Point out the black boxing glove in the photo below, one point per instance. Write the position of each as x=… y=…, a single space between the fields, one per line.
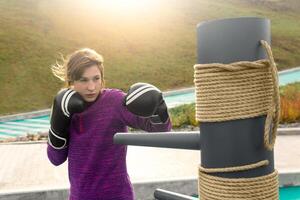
x=161 y=114
x=146 y=100
x=66 y=103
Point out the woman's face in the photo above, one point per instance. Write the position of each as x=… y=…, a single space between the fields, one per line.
x=90 y=84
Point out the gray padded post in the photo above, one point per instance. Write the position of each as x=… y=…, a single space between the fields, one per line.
x=236 y=142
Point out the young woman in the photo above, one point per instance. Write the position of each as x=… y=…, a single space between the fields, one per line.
x=85 y=116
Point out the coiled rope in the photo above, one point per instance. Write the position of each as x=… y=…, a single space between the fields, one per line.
x=237 y=91
x=258 y=188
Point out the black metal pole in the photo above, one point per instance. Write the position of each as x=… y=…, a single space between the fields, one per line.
x=178 y=140
x=167 y=195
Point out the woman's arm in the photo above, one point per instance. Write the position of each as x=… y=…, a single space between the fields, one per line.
x=65 y=104
x=138 y=122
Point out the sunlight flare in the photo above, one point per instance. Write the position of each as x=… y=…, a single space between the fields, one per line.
x=124 y=6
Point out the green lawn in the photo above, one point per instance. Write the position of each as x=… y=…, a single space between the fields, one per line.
x=155 y=45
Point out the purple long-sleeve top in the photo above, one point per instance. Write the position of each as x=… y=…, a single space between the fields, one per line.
x=97 y=166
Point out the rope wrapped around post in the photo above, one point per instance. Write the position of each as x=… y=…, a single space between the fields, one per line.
x=258 y=188
x=239 y=90
x=233 y=91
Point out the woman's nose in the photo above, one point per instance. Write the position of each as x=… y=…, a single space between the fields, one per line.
x=91 y=86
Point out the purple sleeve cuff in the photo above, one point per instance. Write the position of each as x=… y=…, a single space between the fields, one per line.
x=57 y=156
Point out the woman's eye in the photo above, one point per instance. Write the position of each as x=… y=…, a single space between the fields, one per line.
x=83 y=80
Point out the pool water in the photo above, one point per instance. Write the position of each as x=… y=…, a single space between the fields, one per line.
x=289 y=76
x=285 y=193
x=289 y=193
x=24 y=126
x=179 y=99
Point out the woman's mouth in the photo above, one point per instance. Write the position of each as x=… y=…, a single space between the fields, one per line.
x=90 y=95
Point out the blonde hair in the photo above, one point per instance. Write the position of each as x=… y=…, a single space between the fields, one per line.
x=75 y=64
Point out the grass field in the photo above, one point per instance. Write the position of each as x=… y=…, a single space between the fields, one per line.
x=155 y=43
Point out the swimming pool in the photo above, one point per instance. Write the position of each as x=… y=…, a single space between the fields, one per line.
x=22 y=127
x=285 y=193
x=289 y=193
x=289 y=76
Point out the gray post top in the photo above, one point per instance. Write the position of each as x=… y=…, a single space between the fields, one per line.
x=233 y=39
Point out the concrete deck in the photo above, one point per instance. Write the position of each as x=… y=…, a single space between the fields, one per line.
x=25 y=167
